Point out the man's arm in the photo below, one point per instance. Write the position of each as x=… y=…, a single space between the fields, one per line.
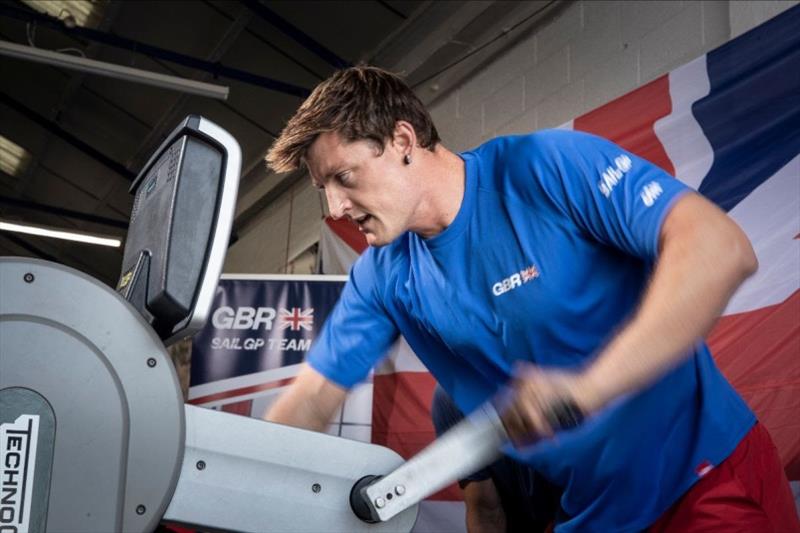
x=483 y=507
x=704 y=257
x=309 y=403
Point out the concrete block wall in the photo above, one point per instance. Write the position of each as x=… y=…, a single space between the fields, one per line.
x=592 y=52
x=747 y=14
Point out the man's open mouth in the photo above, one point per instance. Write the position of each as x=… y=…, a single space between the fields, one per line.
x=362 y=220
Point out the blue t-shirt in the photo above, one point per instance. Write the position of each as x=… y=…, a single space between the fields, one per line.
x=547 y=257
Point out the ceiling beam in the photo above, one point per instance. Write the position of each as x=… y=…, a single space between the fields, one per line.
x=277 y=49
x=389 y=7
x=60 y=132
x=69 y=213
x=292 y=31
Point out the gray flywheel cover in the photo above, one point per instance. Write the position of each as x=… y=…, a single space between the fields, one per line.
x=119 y=415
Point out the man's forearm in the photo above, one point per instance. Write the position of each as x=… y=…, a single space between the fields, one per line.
x=308 y=403
x=290 y=410
x=702 y=263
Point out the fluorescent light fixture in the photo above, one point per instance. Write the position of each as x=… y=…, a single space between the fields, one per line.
x=111 y=70
x=59 y=234
x=13 y=157
x=86 y=13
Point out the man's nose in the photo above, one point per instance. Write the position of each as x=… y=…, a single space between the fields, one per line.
x=338 y=204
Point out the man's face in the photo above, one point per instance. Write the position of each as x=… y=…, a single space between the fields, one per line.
x=372 y=189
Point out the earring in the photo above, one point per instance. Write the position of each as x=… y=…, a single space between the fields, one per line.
x=407 y=159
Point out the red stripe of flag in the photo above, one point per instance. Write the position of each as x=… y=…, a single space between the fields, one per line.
x=241 y=391
x=348 y=232
x=243 y=408
x=629 y=120
x=758 y=352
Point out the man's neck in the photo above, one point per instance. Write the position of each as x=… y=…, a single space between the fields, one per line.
x=443 y=182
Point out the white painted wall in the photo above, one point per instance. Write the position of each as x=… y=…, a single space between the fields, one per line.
x=593 y=52
x=279 y=238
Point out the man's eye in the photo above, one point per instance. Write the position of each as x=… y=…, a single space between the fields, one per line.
x=345 y=178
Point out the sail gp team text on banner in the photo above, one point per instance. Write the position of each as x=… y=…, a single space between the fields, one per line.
x=260 y=319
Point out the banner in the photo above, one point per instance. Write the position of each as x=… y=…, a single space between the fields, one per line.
x=259 y=331
x=258 y=324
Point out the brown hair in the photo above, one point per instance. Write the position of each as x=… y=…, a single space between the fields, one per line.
x=358 y=103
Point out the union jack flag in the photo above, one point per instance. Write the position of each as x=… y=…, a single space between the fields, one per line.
x=297 y=318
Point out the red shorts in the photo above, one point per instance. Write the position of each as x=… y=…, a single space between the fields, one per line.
x=747 y=492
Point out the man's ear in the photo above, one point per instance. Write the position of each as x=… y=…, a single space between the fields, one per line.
x=405 y=138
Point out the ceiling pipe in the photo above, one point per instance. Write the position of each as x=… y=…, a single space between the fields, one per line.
x=215 y=68
x=111 y=70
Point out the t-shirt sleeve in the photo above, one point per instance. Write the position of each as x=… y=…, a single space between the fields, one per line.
x=357 y=333
x=613 y=195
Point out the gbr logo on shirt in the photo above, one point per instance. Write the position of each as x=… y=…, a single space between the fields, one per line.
x=515 y=280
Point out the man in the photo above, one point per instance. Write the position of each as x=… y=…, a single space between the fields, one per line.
x=505 y=496
x=555 y=264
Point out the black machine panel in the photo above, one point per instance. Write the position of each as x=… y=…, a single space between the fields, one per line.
x=172 y=227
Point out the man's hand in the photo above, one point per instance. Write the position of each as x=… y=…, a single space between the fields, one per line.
x=538 y=396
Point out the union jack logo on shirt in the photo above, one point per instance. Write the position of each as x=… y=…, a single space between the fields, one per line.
x=529 y=273
x=297 y=318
